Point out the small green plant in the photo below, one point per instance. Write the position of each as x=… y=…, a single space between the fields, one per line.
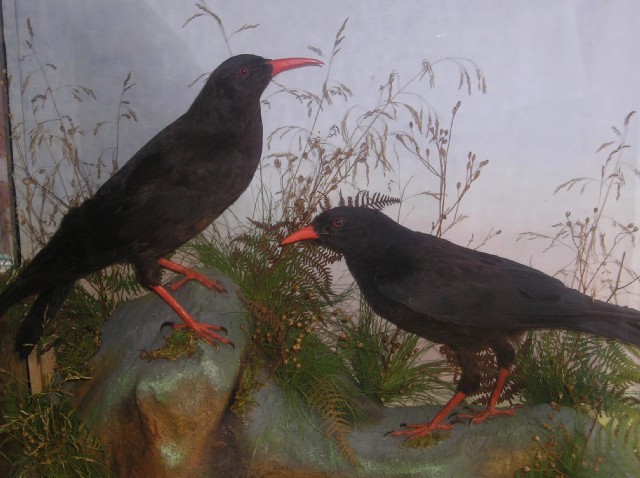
x=389 y=364
x=42 y=435
x=562 y=453
x=577 y=370
x=320 y=383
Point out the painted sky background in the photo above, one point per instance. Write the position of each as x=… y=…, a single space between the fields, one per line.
x=559 y=75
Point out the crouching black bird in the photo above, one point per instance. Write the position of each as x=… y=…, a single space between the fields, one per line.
x=452 y=295
x=168 y=192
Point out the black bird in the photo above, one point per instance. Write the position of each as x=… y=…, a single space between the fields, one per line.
x=466 y=299
x=168 y=192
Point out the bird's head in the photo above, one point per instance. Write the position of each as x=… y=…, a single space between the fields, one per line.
x=346 y=229
x=244 y=77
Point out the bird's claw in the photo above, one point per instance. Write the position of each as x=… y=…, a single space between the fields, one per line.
x=190 y=274
x=210 y=284
x=486 y=414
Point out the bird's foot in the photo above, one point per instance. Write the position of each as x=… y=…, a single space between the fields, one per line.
x=487 y=413
x=189 y=274
x=417 y=430
x=210 y=284
x=207 y=332
x=424 y=429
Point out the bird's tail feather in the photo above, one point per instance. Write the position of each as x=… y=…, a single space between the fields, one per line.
x=20 y=289
x=612 y=321
x=49 y=267
x=45 y=307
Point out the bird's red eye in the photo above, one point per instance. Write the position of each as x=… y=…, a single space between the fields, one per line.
x=244 y=71
x=338 y=222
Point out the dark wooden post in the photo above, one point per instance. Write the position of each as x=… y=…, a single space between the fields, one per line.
x=9 y=232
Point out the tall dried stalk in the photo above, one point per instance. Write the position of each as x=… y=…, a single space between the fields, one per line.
x=598 y=242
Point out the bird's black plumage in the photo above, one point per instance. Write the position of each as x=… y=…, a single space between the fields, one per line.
x=456 y=296
x=168 y=192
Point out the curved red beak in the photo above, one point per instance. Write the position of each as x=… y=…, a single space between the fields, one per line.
x=285 y=64
x=303 y=234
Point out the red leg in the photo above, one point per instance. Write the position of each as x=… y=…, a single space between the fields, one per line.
x=190 y=275
x=423 y=429
x=206 y=331
x=491 y=410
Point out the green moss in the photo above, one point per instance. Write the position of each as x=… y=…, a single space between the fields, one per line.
x=181 y=343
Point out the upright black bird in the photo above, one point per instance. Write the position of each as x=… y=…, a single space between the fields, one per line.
x=456 y=296
x=168 y=192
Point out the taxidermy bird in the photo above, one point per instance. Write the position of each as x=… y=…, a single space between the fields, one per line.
x=169 y=191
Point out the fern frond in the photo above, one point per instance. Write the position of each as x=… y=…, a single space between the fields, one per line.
x=327 y=401
x=363 y=198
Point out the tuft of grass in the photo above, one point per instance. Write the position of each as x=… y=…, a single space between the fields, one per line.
x=577 y=370
x=42 y=435
x=389 y=364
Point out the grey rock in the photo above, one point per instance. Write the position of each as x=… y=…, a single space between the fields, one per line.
x=155 y=417
x=281 y=443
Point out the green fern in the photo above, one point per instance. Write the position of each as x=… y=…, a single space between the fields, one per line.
x=320 y=380
x=287 y=292
x=575 y=369
x=337 y=422
x=592 y=374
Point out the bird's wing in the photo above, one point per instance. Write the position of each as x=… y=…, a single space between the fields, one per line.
x=470 y=288
x=162 y=197
x=170 y=185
